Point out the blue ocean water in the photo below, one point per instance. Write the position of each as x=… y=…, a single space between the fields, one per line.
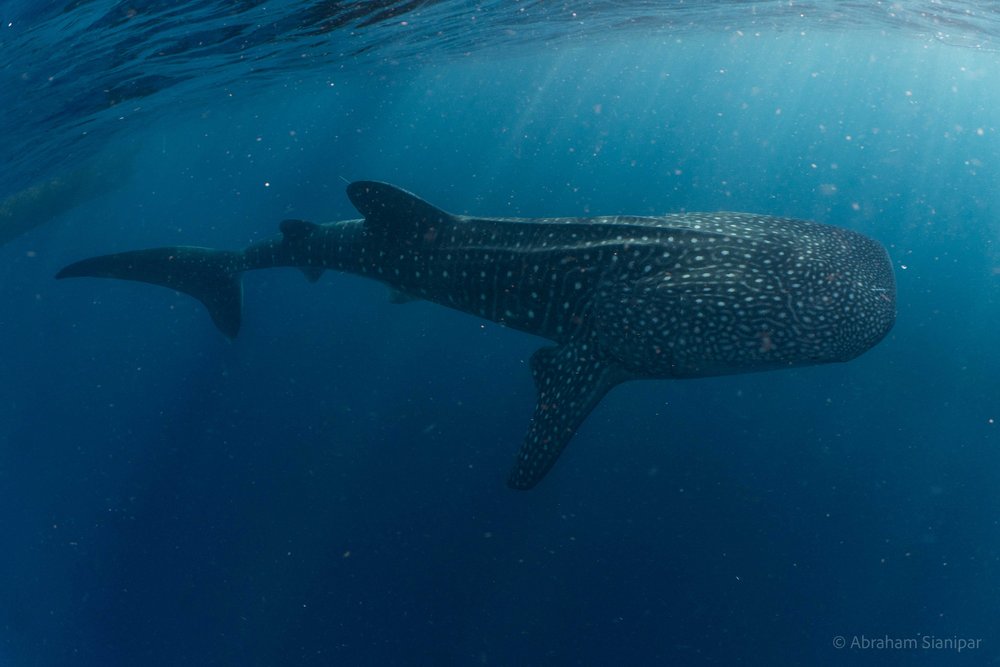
x=329 y=487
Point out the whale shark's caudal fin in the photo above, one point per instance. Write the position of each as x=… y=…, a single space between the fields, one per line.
x=571 y=380
x=211 y=276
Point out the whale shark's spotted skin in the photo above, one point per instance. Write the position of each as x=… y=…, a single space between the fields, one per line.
x=623 y=297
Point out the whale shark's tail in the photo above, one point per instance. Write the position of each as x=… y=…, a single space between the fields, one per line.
x=211 y=276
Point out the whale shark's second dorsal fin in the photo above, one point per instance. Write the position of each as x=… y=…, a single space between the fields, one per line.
x=394 y=211
x=301 y=231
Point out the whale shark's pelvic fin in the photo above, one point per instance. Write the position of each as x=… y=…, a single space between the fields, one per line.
x=571 y=380
x=211 y=276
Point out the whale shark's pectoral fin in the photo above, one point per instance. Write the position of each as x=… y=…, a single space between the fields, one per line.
x=571 y=380
x=211 y=276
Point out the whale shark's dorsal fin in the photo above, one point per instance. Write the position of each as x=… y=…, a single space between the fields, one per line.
x=571 y=380
x=394 y=211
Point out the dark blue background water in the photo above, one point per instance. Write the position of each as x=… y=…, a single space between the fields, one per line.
x=329 y=488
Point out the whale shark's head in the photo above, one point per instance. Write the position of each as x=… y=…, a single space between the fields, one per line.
x=740 y=293
x=869 y=302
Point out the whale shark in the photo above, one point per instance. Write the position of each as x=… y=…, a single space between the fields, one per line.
x=47 y=199
x=622 y=297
